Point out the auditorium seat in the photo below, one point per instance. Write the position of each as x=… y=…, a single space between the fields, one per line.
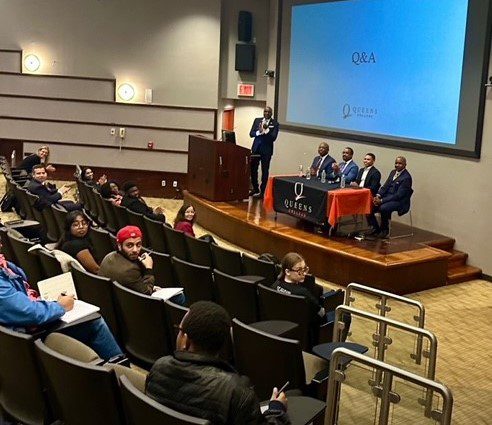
x=111 y=223
x=49 y=264
x=175 y=243
x=136 y=219
x=142 y=410
x=52 y=230
x=268 y=359
x=7 y=250
x=101 y=243
x=199 y=251
x=163 y=269
x=155 y=234
x=29 y=263
x=70 y=347
x=22 y=388
x=143 y=324
x=97 y=290
x=121 y=215
x=101 y=214
x=82 y=393
x=175 y=314
x=256 y=267
x=60 y=215
x=33 y=202
x=226 y=260
x=197 y=281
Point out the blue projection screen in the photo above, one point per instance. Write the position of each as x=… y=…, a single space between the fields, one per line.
x=403 y=72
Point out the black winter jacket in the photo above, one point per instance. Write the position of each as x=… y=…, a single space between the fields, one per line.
x=208 y=388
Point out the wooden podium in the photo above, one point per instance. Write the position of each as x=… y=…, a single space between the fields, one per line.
x=218 y=171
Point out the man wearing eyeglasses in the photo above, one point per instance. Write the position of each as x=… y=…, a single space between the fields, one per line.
x=195 y=381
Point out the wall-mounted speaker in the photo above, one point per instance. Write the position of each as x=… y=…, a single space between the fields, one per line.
x=245 y=57
x=244 y=26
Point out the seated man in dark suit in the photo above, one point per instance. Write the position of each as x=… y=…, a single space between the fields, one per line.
x=394 y=195
x=347 y=167
x=134 y=202
x=322 y=162
x=47 y=192
x=369 y=176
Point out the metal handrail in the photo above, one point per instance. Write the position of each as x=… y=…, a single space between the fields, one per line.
x=337 y=376
x=384 y=308
x=384 y=323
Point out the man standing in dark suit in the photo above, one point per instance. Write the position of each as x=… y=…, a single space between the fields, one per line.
x=322 y=162
x=394 y=195
x=369 y=176
x=265 y=131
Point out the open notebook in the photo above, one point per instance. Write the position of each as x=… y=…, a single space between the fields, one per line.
x=166 y=293
x=50 y=289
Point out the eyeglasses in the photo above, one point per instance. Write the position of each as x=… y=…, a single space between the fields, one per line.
x=80 y=224
x=178 y=327
x=302 y=270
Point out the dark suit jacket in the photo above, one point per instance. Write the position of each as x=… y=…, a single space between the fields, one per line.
x=263 y=144
x=398 y=190
x=48 y=193
x=326 y=165
x=372 y=181
x=139 y=206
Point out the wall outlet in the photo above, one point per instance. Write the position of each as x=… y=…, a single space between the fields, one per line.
x=175 y=183
x=112 y=132
x=163 y=183
x=122 y=132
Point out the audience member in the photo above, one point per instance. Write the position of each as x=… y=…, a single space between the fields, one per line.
x=394 y=195
x=322 y=162
x=75 y=241
x=111 y=191
x=135 y=203
x=40 y=157
x=185 y=218
x=347 y=167
x=369 y=176
x=130 y=267
x=22 y=309
x=196 y=382
x=47 y=192
x=126 y=265
x=87 y=176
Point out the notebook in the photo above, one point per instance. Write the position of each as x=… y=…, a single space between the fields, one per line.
x=166 y=293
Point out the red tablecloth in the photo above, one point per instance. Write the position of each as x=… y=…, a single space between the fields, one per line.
x=348 y=201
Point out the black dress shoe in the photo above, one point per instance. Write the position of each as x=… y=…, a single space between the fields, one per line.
x=254 y=192
x=373 y=232
x=258 y=195
x=384 y=234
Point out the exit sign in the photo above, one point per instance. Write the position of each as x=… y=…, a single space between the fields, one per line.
x=246 y=90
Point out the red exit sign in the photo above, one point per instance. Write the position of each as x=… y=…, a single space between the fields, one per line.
x=246 y=90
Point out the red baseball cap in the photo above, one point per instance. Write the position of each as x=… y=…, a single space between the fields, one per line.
x=128 y=232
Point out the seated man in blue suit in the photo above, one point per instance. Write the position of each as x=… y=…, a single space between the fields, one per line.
x=394 y=195
x=265 y=132
x=322 y=162
x=347 y=167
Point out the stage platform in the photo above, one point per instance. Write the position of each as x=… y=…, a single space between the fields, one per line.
x=400 y=266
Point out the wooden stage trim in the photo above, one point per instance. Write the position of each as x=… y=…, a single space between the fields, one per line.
x=400 y=266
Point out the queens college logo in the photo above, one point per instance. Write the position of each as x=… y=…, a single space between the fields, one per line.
x=298 y=189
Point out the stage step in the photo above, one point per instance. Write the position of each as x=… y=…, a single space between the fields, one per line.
x=446 y=244
x=463 y=274
x=457 y=259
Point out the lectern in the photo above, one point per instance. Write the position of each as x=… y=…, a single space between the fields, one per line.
x=217 y=171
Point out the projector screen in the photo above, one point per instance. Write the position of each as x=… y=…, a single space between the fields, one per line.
x=406 y=73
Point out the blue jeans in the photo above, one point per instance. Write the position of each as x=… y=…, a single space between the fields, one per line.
x=96 y=335
x=179 y=299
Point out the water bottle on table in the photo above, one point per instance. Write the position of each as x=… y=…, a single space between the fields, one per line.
x=323 y=176
x=308 y=173
x=301 y=171
x=342 y=181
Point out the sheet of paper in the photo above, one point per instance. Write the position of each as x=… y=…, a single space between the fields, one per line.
x=166 y=293
x=80 y=310
x=50 y=289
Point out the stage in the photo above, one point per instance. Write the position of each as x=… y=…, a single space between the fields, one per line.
x=400 y=266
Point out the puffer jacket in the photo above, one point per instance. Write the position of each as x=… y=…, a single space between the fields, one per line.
x=209 y=388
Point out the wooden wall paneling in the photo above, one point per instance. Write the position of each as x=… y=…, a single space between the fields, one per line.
x=10 y=60
x=120 y=114
x=59 y=86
